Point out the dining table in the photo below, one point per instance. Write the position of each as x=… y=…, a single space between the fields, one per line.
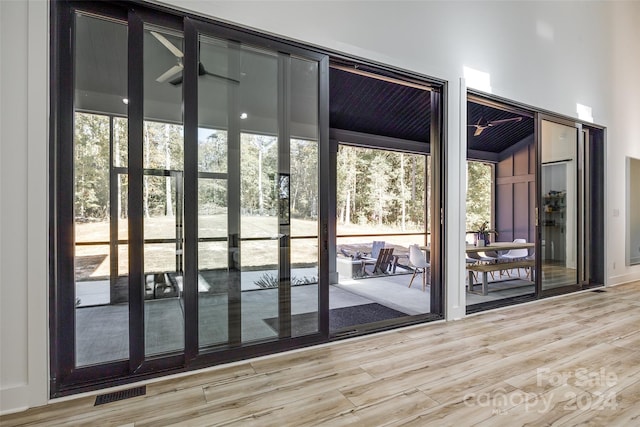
x=499 y=247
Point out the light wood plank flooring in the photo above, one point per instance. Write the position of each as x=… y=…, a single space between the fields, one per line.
x=572 y=360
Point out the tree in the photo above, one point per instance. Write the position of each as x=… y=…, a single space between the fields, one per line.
x=479 y=193
x=91 y=166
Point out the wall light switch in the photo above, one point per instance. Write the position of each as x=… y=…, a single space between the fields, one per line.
x=616 y=213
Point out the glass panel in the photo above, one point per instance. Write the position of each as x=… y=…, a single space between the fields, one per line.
x=259 y=219
x=120 y=142
x=101 y=315
x=559 y=216
x=303 y=160
x=122 y=190
x=304 y=286
x=479 y=197
x=218 y=277
x=393 y=200
x=91 y=176
x=257 y=100
x=163 y=154
x=213 y=275
x=382 y=203
x=242 y=180
x=212 y=150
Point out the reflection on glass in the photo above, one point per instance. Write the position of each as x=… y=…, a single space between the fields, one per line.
x=303 y=197
x=212 y=150
x=558 y=217
x=101 y=315
x=120 y=142
x=218 y=278
x=163 y=162
x=246 y=196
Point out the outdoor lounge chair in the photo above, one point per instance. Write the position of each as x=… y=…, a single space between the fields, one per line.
x=380 y=264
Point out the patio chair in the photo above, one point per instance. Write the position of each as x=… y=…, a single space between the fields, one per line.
x=375 y=248
x=419 y=261
x=381 y=263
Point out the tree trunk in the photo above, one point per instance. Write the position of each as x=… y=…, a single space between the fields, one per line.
x=260 y=196
x=145 y=180
x=167 y=166
x=347 y=205
x=413 y=178
x=402 y=195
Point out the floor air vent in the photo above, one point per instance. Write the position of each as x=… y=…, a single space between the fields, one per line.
x=120 y=395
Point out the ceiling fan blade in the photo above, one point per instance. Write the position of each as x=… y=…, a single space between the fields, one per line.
x=162 y=39
x=203 y=72
x=171 y=72
x=478 y=131
x=499 y=122
x=218 y=76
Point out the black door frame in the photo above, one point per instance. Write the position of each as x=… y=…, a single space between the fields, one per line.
x=593 y=138
x=68 y=379
x=581 y=244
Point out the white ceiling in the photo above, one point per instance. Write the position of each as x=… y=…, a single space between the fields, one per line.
x=101 y=80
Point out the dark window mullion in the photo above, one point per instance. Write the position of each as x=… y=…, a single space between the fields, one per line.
x=190 y=102
x=438 y=161
x=284 y=229
x=63 y=336
x=136 y=237
x=234 y=316
x=326 y=197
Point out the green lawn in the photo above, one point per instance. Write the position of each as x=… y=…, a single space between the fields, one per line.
x=93 y=261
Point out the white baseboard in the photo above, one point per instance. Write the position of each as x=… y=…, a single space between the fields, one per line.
x=623 y=278
x=14 y=399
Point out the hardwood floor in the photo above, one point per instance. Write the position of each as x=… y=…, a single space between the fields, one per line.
x=572 y=360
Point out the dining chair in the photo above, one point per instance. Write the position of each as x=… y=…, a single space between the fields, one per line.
x=419 y=261
x=516 y=254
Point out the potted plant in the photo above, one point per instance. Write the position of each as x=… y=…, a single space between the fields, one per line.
x=483 y=232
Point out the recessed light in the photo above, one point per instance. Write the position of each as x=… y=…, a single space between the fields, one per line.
x=243 y=116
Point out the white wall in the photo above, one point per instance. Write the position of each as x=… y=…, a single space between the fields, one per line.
x=23 y=204
x=547 y=54
x=623 y=133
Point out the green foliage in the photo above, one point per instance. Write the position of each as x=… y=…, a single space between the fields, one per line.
x=163 y=150
x=269 y=281
x=91 y=167
x=382 y=188
x=479 y=193
x=304 y=179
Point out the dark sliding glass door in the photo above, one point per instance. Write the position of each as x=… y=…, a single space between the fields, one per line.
x=187 y=196
x=563 y=189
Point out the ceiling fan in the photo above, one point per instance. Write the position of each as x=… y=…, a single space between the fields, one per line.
x=483 y=124
x=177 y=69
